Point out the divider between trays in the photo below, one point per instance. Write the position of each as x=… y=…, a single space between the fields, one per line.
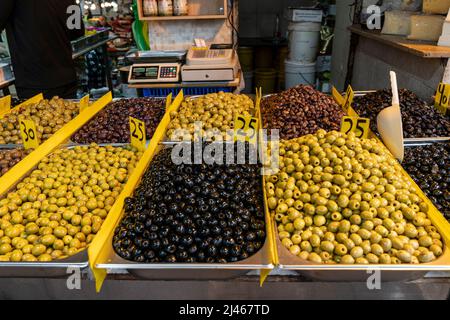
x=96 y=250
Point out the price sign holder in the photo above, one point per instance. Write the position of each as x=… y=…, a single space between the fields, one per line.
x=441 y=101
x=360 y=126
x=84 y=103
x=246 y=128
x=337 y=96
x=168 y=101
x=5 y=104
x=29 y=134
x=348 y=101
x=137 y=134
x=177 y=102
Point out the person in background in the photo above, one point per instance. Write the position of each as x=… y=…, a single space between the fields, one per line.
x=39 y=44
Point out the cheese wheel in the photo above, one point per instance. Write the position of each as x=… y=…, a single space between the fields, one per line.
x=397 y=23
x=436 y=6
x=426 y=27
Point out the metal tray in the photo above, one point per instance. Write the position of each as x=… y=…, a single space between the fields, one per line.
x=186 y=271
x=56 y=268
x=363 y=93
x=414 y=142
x=358 y=273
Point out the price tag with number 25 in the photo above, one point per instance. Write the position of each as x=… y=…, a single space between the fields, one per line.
x=137 y=134
x=246 y=128
x=29 y=134
x=360 y=126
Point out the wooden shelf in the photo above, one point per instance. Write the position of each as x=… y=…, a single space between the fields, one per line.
x=423 y=49
x=174 y=18
x=201 y=10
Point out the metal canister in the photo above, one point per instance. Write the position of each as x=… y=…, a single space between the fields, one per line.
x=165 y=7
x=180 y=7
x=150 y=7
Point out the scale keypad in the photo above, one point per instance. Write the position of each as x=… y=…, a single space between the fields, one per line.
x=169 y=72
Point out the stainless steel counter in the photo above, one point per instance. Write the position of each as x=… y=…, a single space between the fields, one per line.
x=124 y=286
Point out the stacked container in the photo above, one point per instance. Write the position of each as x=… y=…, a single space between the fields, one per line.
x=304 y=40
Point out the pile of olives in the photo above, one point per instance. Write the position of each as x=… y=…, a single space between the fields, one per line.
x=299 y=111
x=429 y=166
x=193 y=213
x=341 y=200
x=10 y=157
x=49 y=117
x=56 y=211
x=419 y=119
x=111 y=125
x=216 y=111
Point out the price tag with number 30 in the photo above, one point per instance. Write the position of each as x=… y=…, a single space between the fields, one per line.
x=360 y=126
x=29 y=134
x=137 y=134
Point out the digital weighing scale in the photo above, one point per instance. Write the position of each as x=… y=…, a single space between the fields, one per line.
x=202 y=65
x=155 y=66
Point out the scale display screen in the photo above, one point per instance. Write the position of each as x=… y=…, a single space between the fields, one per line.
x=145 y=73
x=154 y=73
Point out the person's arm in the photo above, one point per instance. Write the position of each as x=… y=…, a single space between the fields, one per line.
x=6 y=8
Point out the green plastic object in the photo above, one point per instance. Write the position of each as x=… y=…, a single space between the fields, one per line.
x=140 y=31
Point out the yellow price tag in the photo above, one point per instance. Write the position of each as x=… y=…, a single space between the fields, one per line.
x=360 y=126
x=137 y=134
x=29 y=134
x=350 y=95
x=337 y=96
x=5 y=104
x=168 y=101
x=84 y=103
x=245 y=128
x=442 y=97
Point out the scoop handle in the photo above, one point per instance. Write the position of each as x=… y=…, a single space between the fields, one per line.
x=394 y=87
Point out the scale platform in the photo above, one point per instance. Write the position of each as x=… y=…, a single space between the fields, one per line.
x=210 y=65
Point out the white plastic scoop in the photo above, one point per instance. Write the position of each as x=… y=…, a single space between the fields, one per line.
x=389 y=123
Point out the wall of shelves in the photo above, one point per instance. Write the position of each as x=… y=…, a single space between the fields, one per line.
x=207 y=19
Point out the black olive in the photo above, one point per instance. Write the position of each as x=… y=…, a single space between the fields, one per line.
x=193 y=213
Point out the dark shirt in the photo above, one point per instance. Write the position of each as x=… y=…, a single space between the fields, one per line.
x=39 y=41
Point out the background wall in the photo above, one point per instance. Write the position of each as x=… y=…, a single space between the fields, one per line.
x=341 y=44
x=257 y=17
x=179 y=35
